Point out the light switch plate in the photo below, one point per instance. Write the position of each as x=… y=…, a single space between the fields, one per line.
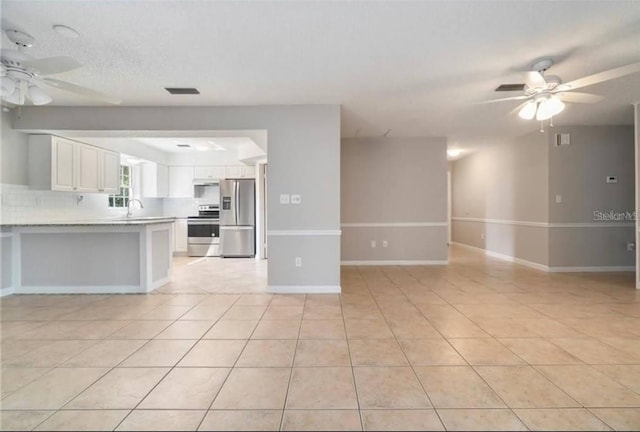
x=296 y=199
x=284 y=198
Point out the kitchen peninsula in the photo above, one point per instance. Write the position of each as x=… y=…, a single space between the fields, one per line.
x=127 y=255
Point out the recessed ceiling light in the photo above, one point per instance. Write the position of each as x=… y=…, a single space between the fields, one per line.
x=218 y=147
x=202 y=148
x=66 y=31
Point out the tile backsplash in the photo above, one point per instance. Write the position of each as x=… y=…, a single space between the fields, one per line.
x=20 y=204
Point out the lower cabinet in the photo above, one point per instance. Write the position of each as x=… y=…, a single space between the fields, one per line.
x=180 y=236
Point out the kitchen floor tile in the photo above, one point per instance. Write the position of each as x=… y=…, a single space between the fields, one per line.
x=322 y=352
x=162 y=420
x=481 y=351
x=186 y=388
x=108 y=353
x=214 y=353
x=390 y=388
x=322 y=329
x=524 y=387
x=11 y=379
x=457 y=387
x=592 y=351
x=121 y=388
x=620 y=419
x=627 y=375
x=277 y=329
x=53 y=389
x=322 y=388
x=83 y=420
x=367 y=329
x=571 y=419
x=244 y=313
x=185 y=330
x=229 y=329
x=413 y=329
x=480 y=420
x=538 y=351
x=401 y=420
x=254 y=389
x=140 y=330
x=267 y=353
x=430 y=352
x=159 y=353
x=242 y=420
x=321 y=420
x=22 y=420
x=376 y=352
x=283 y=313
x=590 y=387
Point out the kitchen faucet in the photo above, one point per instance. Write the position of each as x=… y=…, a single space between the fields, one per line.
x=129 y=214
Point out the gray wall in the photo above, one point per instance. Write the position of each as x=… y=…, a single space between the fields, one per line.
x=391 y=181
x=578 y=173
x=13 y=153
x=508 y=183
x=516 y=183
x=304 y=158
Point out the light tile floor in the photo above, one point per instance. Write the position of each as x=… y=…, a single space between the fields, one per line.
x=479 y=344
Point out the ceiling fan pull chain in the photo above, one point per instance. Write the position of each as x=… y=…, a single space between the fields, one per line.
x=551 y=122
x=541 y=125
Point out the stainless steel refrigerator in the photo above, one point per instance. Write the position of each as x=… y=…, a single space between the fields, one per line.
x=237 y=218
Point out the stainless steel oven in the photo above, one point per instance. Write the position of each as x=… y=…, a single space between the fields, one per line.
x=203 y=232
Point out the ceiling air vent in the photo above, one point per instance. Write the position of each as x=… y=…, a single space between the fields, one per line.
x=183 y=145
x=510 y=87
x=182 y=90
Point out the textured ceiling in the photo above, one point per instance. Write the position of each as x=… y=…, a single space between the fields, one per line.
x=413 y=67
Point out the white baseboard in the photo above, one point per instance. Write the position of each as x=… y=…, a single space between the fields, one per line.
x=304 y=289
x=393 y=262
x=504 y=257
x=6 y=291
x=160 y=282
x=603 y=269
x=82 y=289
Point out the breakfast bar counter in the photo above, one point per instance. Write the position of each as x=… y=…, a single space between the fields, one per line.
x=128 y=255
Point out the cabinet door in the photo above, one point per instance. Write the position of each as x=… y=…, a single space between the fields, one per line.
x=180 y=235
x=181 y=182
x=110 y=172
x=162 y=187
x=248 y=171
x=233 y=171
x=88 y=168
x=62 y=165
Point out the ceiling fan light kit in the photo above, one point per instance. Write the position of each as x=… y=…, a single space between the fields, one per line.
x=23 y=77
x=545 y=95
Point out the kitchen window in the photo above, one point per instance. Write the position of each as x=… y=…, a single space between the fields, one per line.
x=121 y=199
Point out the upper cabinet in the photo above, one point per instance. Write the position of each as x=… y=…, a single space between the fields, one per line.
x=181 y=182
x=239 y=171
x=60 y=164
x=155 y=180
x=209 y=172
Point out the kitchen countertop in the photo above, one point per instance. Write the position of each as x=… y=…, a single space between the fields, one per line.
x=114 y=221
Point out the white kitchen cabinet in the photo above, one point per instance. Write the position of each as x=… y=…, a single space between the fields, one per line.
x=109 y=171
x=180 y=235
x=209 y=172
x=181 y=182
x=240 y=171
x=154 y=180
x=60 y=164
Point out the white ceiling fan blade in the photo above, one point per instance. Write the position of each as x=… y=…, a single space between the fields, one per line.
x=534 y=79
x=602 y=76
x=52 y=65
x=577 y=97
x=82 y=91
x=503 y=99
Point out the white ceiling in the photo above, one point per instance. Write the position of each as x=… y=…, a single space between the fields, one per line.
x=413 y=67
x=170 y=145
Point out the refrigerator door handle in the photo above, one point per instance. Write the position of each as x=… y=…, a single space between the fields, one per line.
x=237 y=197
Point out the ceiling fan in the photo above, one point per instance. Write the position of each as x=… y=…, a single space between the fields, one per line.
x=25 y=77
x=545 y=95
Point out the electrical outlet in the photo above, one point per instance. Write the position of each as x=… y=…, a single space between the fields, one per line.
x=558 y=199
x=385 y=243
x=296 y=199
x=373 y=243
x=298 y=261
x=284 y=198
